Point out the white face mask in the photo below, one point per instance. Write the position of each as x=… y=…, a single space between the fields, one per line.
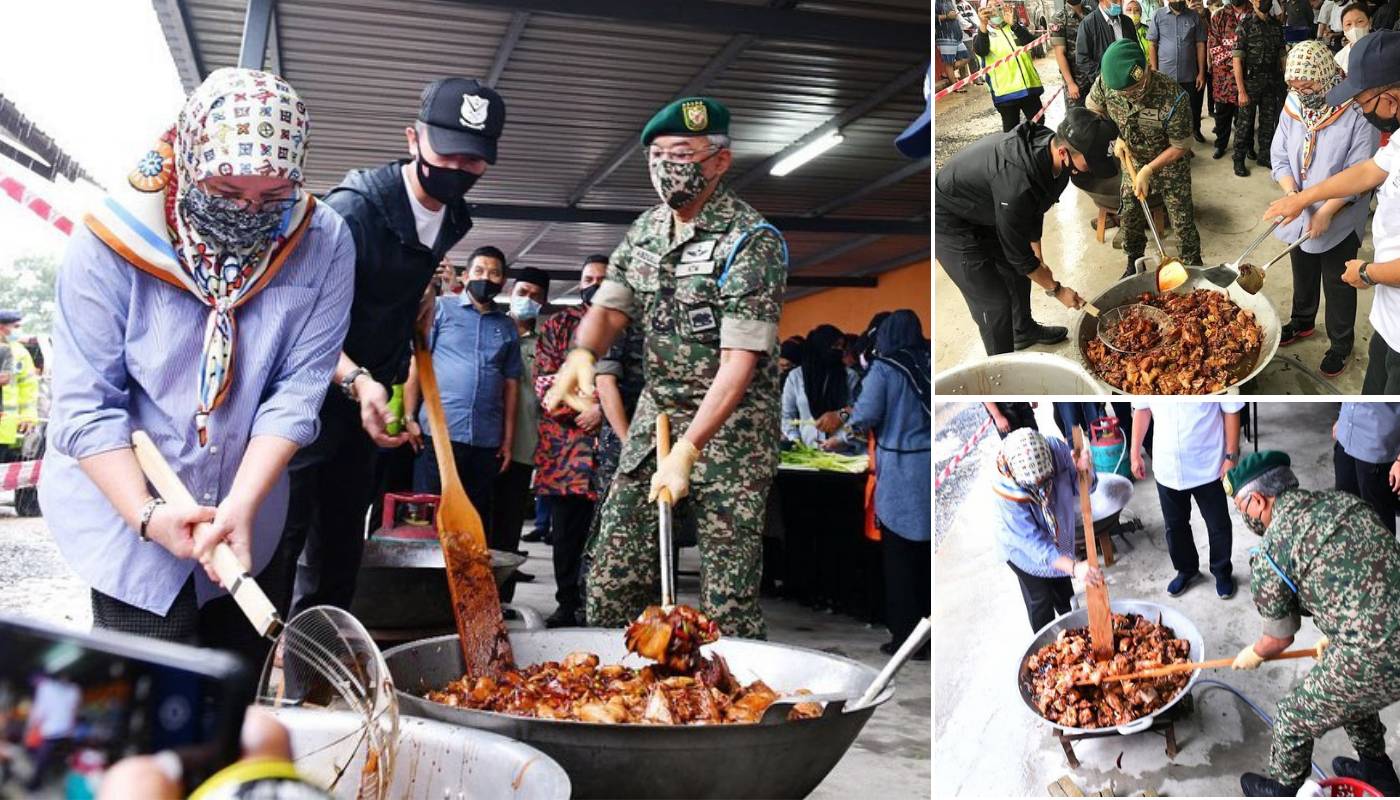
x=523 y=307
x=1355 y=33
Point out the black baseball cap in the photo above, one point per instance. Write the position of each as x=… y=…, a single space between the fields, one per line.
x=463 y=117
x=1091 y=135
x=1374 y=61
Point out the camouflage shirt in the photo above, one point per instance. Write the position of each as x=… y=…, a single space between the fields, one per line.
x=672 y=278
x=1064 y=32
x=1148 y=125
x=1260 y=43
x=1344 y=563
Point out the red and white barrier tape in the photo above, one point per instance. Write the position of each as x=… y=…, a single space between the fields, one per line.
x=35 y=203
x=953 y=87
x=966 y=448
x=19 y=475
x=1046 y=107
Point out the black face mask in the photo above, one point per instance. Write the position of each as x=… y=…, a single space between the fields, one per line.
x=586 y=294
x=442 y=184
x=1383 y=124
x=483 y=290
x=1178 y=7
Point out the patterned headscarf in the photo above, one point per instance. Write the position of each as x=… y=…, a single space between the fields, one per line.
x=239 y=122
x=1027 y=460
x=1312 y=61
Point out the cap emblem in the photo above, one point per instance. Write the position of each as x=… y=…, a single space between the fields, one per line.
x=1135 y=74
x=696 y=116
x=473 y=113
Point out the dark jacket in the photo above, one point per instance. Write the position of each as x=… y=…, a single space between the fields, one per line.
x=1095 y=35
x=1007 y=181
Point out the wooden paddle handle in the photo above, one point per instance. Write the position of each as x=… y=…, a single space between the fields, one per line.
x=1192 y=666
x=437 y=418
x=246 y=592
x=1091 y=309
x=663 y=449
x=1100 y=615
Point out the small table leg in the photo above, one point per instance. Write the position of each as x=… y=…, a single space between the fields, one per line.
x=1069 y=750
x=1171 y=740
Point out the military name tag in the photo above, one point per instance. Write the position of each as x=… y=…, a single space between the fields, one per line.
x=698 y=251
x=1150 y=115
x=647 y=257
x=701 y=319
x=695 y=268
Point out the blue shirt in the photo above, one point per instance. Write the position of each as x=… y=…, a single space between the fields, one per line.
x=1176 y=36
x=1370 y=432
x=890 y=407
x=1024 y=536
x=125 y=349
x=473 y=355
x=1348 y=141
x=797 y=410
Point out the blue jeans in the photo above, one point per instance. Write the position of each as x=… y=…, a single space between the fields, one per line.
x=542 y=509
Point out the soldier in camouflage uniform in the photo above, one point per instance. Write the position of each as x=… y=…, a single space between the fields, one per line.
x=1064 y=34
x=703 y=274
x=1259 y=59
x=1323 y=554
x=1153 y=116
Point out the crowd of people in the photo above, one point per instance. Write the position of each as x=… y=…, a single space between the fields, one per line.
x=1305 y=89
x=269 y=342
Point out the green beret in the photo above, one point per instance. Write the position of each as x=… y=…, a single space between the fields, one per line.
x=1252 y=466
x=1123 y=64
x=688 y=116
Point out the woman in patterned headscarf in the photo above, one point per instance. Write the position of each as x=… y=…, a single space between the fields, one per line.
x=1037 y=490
x=204 y=303
x=1315 y=141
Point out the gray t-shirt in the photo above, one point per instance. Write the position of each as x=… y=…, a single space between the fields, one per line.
x=1176 y=36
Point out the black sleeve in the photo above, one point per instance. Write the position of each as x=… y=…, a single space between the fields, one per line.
x=1084 y=67
x=352 y=207
x=981 y=44
x=1018 y=220
x=1023 y=36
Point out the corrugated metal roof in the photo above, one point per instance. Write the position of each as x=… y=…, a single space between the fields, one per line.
x=578 y=89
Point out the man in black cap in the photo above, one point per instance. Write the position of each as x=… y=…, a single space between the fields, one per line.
x=989 y=203
x=404 y=217
x=1373 y=83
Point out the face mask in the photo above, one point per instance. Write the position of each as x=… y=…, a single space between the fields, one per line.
x=442 y=184
x=1115 y=9
x=1255 y=524
x=1354 y=34
x=1178 y=7
x=995 y=21
x=225 y=226
x=1074 y=3
x=1312 y=102
x=1383 y=124
x=586 y=294
x=483 y=290
x=678 y=184
x=523 y=307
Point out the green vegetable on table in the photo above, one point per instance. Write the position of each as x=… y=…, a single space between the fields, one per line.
x=815 y=458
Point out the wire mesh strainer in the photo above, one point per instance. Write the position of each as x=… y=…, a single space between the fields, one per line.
x=1134 y=328
x=326 y=659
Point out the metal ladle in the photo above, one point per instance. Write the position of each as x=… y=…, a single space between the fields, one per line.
x=1226 y=274
x=1110 y=320
x=1251 y=278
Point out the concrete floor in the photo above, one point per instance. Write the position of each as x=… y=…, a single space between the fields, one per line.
x=1228 y=210
x=988 y=743
x=889 y=759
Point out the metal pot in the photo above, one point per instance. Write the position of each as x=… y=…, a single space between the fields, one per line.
x=1127 y=290
x=788 y=759
x=434 y=760
x=403 y=583
x=1017 y=374
x=1079 y=618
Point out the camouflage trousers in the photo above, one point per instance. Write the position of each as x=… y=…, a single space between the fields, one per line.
x=1173 y=185
x=1265 y=102
x=624 y=577
x=1346 y=689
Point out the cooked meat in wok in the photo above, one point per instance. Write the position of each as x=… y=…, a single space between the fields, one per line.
x=1214 y=344
x=1136 y=331
x=671 y=637
x=1139 y=644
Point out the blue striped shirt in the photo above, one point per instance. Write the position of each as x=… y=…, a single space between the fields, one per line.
x=125 y=349
x=1024 y=536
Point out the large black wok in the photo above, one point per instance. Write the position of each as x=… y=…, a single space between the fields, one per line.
x=403 y=583
x=787 y=759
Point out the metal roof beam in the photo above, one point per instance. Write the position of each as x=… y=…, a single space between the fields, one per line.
x=507 y=46
x=531 y=242
x=179 y=34
x=257 y=29
x=898 y=176
x=876 y=99
x=881 y=226
x=806 y=281
x=733 y=18
x=806 y=288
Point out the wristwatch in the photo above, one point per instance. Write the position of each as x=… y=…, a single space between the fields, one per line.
x=1054 y=290
x=1234 y=457
x=1366 y=279
x=347 y=384
x=147 y=511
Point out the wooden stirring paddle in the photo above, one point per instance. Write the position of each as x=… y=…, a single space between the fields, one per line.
x=1100 y=617
x=476 y=605
x=1192 y=666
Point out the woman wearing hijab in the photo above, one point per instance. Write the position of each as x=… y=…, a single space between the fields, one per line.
x=1315 y=141
x=205 y=304
x=894 y=405
x=1037 y=488
x=821 y=384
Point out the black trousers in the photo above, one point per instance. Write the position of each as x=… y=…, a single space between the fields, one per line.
x=1311 y=270
x=1046 y=598
x=476 y=466
x=908 y=573
x=1224 y=123
x=1012 y=110
x=1370 y=482
x=1181 y=546
x=393 y=472
x=1020 y=415
x=510 y=497
x=1198 y=99
x=998 y=297
x=1382 y=369
x=570 y=516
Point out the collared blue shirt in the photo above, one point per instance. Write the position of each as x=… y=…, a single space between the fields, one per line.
x=890 y=407
x=1370 y=432
x=126 y=346
x=1176 y=36
x=473 y=355
x=1343 y=144
x=1024 y=536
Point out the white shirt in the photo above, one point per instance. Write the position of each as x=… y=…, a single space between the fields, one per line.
x=1188 y=441
x=1342 y=55
x=428 y=222
x=1330 y=13
x=1113 y=23
x=1385 y=235
x=56 y=707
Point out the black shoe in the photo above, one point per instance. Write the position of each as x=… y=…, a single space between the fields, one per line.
x=1225 y=587
x=1264 y=162
x=1181 y=583
x=1219 y=152
x=889 y=648
x=1240 y=169
x=562 y=618
x=1333 y=365
x=1256 y=785
x=1289 y=334
x=1200 y=137
x=1043 y=334
x=1378 y=772
x=521 y=576
x=1253 y=153
x=923 y=653
x=533 y=536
